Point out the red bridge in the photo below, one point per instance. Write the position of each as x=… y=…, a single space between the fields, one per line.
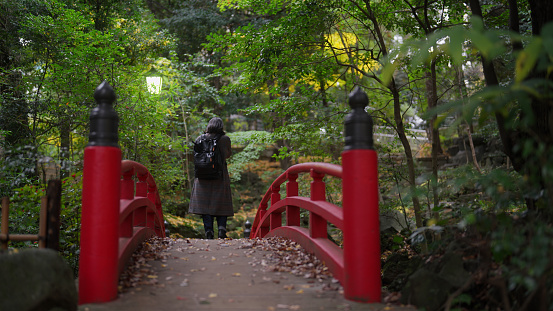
x=121 y=208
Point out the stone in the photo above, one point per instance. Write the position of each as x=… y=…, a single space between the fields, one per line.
x=36 y=279
x=453 y=270
x=426 y=289
x=394 y=219
x=430 y=286
x=397 y=268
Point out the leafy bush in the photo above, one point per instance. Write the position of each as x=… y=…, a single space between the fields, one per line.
x=17 y=168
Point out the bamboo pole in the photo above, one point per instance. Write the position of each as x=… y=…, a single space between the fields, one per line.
x=5 y=223
x=23 y=237
x=53 y=193
x=42 y=229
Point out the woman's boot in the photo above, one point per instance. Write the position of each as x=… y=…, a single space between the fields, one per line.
x=209 y=235
x=222 y=233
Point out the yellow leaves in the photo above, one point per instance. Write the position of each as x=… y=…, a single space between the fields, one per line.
x=341 y=40
x=431 y=222
x=527 y=59
x=236 y=274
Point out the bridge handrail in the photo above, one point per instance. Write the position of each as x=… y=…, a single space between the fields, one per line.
x=323 y=168
x=268 y=221
x=293 y=171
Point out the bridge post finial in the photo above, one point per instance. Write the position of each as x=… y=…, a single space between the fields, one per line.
x=360 y=205
x=358 y=123
x=104 y=120
x=247 y=229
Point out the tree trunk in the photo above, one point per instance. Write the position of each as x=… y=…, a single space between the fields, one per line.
x=398 y=118
x=460 y=81
x=408 y=153
x=540 y=132
x=65 y=146
x=506 y=135
x=14 y=111
x=432 y=96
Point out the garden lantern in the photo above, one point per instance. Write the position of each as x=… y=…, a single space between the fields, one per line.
x=153 y=81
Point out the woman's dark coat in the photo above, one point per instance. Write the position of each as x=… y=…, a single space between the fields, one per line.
x=213 y=197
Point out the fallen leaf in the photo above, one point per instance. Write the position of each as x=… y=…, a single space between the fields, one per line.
x=236 y=274
x=203 y=301
x=212 y=295
x=300 y=291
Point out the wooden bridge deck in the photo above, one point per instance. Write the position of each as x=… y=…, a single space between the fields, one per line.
x=240 y=274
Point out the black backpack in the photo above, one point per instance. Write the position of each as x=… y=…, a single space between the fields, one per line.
x=208 y=160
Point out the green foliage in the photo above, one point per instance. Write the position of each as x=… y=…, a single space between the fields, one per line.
x=253 y=143
x=519 y=102
x=17 y=168
x=192 y=21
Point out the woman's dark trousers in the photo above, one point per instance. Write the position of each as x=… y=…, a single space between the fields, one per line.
x=221 y=224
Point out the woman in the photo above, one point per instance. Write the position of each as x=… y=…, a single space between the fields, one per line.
x=212 y=198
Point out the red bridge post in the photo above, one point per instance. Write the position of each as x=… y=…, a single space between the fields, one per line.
x=98 y=260
x=362 y=280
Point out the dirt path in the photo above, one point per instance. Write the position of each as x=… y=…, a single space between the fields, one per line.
x=196 y=274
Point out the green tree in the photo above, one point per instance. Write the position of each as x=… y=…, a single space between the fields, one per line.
x=339 y=41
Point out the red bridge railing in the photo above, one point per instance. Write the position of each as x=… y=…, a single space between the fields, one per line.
x=120 y=205
x=268 y=221
x=357 y=264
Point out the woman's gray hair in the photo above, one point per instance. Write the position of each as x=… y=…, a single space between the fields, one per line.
x=215 y=125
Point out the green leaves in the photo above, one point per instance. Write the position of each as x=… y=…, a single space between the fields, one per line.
x=253 y=142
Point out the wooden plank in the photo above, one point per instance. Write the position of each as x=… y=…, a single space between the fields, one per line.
x=43 y=226
x=23 y=237
x=53 y=192
x=5 y=222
